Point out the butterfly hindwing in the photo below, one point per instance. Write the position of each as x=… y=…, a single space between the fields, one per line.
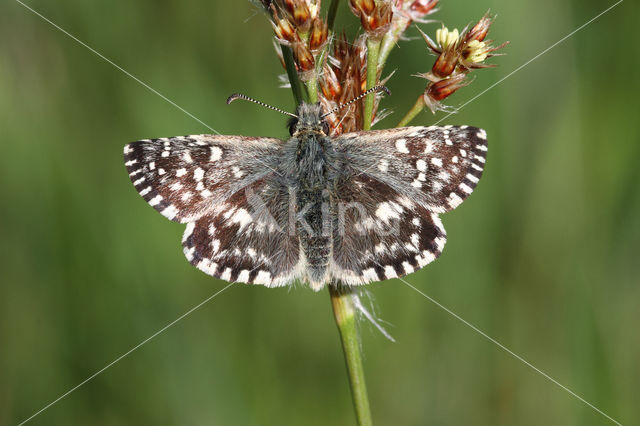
x=381 y=233
x=245 y=238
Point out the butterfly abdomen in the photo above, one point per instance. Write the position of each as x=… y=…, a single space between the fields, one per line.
x=312 y=206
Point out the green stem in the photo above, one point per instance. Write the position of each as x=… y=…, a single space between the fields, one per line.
x=413 y=112
x=390 y=40
x=331 y=15
x=312 y=89
x=373 y=50
x=287 y=55
x=344 y=312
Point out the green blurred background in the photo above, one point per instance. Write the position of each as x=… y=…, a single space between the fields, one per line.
x=543 y=257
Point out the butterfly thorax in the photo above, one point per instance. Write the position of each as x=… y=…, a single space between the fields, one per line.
x=314 y=176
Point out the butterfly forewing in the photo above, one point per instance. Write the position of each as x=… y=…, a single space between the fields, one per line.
x=440 y=166
x=228 y=192
x=184 y=177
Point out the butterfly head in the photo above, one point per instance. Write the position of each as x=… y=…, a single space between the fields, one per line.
x=309 y=119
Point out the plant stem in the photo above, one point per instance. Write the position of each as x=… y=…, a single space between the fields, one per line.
x=373 y=50
x=390 y=40
x=287 y=55
x=344 y=312
x=312 y=89
x=331 y=15
x=413 y=112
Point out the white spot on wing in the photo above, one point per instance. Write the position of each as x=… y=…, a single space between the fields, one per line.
x=155 y=200
x=401 y=145
x=242 y=217
x=263 y=277
x=389 y=272
x=421 y=165
x=170 y=212
x=385 y=211
x=466 y=188
x=186 y=157
x=198 y=174
x=454 y=200
x=188 y=253
x=237 y=172
x=407 y=267
x=226 y=275
x=181 y=172
x=216 y=153
x=188 y=231
x=206 y=266
x=370 y=274
x=243 y=276
x=436 y=162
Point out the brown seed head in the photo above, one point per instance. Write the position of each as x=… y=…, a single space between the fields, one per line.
x=303 y=57
x=446 y=62
x=299 y=13
x=439 y=90
x=375 y=18
x=479 y=31
x=362 y=7
x=319 y=34
x=284 y=29
x=423 y=7
x=331 y=88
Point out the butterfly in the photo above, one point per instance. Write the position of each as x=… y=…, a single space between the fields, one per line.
x=320 y=209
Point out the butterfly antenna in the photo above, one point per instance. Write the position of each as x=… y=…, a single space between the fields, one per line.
x=357 y=98
x=246 y=98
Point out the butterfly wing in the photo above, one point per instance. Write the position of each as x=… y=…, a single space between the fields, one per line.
x=228 y=192
x=397 y=182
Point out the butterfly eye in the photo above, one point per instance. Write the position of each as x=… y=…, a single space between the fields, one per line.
x=292 y=126
x=325 y=128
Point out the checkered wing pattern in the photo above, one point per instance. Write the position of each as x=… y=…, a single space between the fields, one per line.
x=222 y=187
x=396 y=184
